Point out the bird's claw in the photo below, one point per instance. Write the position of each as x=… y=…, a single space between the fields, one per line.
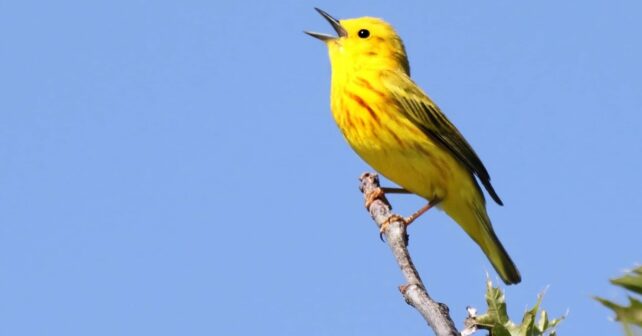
x=373 y=196
x=386 y=223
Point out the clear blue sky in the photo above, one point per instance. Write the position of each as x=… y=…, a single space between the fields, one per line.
x=173 y=168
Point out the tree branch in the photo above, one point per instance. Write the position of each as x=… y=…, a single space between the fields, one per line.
x=414 y=292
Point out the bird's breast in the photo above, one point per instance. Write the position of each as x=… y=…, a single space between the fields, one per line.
x=390 y=143
x=365 y=114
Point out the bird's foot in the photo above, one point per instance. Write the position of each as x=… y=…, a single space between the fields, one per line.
x=384 y=226
x=405 y=220
x=373 y=196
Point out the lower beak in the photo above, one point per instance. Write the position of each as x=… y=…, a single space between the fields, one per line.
x=335 y=24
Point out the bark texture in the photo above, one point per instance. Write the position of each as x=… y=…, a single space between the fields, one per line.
x=414 y=291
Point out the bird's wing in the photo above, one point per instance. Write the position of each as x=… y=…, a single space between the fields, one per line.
x=415 y=105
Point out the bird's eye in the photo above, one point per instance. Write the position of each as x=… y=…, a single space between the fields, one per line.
x=364 y=33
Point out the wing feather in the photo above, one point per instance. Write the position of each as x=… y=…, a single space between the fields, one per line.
x=421 y=111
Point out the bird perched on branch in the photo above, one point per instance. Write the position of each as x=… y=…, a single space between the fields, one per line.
x=398 y=130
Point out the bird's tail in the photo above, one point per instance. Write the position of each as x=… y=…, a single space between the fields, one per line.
x=472 y=217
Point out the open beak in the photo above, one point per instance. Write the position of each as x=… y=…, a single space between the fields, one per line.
x=335 y=24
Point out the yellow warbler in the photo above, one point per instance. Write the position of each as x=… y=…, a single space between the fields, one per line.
x=397 y=129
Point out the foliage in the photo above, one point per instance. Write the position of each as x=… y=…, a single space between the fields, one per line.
x=630 y=316
x=496 y=319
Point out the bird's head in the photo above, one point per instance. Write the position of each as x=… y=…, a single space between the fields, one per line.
x=364 y=42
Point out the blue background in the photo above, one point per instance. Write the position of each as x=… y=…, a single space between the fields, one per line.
x=173 y=168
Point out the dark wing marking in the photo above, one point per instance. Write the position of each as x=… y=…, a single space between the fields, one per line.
x=418 y=108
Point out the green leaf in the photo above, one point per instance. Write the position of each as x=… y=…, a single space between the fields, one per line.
x=626 y=314
x=554 y=322
x=496 y=303
x=542 y=324
x=528 y=321
x=630 y=315
x=500 y=330
x=497 y=321
x=632 y=281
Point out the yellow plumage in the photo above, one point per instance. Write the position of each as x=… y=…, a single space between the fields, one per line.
x=395 y=127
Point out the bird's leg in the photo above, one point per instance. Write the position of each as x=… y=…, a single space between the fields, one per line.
x=381 y=191
x=408 y=220
x=389 y=190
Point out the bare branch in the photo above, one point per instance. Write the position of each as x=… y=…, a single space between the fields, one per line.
x=414 y=292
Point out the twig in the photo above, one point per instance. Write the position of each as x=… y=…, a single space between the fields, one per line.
x=470 y=323
x=435 y=313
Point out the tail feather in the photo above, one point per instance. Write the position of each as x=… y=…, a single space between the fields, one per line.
x=500 y=259
x=473 y=219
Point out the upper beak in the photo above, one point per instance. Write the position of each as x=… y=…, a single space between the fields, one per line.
x=335 y=24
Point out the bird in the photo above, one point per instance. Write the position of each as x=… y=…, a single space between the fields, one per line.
x=392 y=124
